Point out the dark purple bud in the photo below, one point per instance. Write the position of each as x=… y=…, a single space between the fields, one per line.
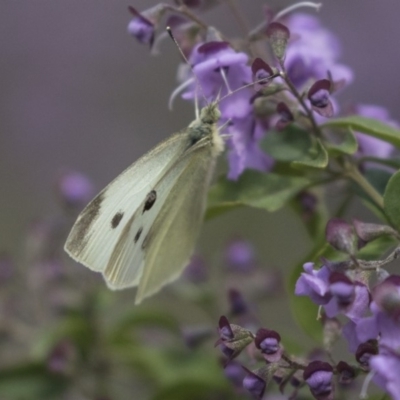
x=347 y=373
x=227 y=351
x=238 y=305
x=254 y=383
x=387 y=296
x=225 y=330
x=75 y=189
x=342 y=288
x=318 y=376
x=278 y=36
x=319 y=96
x=340 y=235
x=211 y=48
x=286 y=116
x=261 y=73
x=368 y=232
x=141 y=27
x=62 y=357
x=365 y=351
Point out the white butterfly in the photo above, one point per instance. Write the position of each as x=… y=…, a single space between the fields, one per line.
x=142 y=228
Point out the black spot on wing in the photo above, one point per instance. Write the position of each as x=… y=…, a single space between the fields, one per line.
x=150 y=200
x=79 y=233
x=116 y=219
x=138 y=233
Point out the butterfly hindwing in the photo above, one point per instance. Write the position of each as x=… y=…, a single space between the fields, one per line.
x=171 y=239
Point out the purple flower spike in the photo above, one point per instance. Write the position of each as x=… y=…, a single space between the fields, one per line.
x=278 y=36
x=261 y=73
x=254 y=383
x=341 y=236
x=313 y=52
x=386 y=366
x=286 y=116
x=141 y=28
x=318 y=376
x=315 y=284
x=319 y=96
x=269 y=343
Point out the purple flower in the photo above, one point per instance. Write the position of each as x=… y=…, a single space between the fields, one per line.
x=268 y=342
x=314 y=283
x=141 y=27
x=369 y=145
x=318 y=376
x=244 y=151
x=240 y=255
x=75 y=189
x=254 y=383
x=386 y=366
x=319 y=97
x=313 y=52
x=349 y=298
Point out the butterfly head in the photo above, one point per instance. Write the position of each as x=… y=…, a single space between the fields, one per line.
x=210 y=114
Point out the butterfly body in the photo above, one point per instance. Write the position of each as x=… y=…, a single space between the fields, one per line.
x=142 y=228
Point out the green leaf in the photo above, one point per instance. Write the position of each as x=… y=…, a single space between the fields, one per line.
x=30 y=382
x=348 y=144
x=369 y=126
x=392 y=200
x=255 y=189
x=291 y=144
x=317 y=157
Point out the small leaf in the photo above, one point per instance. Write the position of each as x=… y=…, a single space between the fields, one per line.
x=317 y=157
x=369 y=126
x=291 y=144
x=348 y=145
x=268 y=191
x=392 y=200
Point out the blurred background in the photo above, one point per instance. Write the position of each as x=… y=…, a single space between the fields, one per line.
x=78 y=93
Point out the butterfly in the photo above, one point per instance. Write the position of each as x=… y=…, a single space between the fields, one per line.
x=142 y=228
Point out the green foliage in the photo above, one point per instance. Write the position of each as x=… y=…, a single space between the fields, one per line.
x=347 y=145
x=369 y=126
x=392 y=200
x=255 y=189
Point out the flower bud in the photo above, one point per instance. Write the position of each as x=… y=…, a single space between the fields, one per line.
x=347 y=373
x=268 y=342
x=365 y=351
x=286 y=116
x=319 y=96
x=368 y=232
x=278 y=36
x=340 y=235
x=261 y=73
x=256 y=381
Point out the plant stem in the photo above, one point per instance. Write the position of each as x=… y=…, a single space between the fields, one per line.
x=354 y=174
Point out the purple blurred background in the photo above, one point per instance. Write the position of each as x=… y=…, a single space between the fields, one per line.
x=76 y=92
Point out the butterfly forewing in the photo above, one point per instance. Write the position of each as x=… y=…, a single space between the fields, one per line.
x=99 y=227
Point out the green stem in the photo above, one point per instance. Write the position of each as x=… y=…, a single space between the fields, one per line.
x=355 y=175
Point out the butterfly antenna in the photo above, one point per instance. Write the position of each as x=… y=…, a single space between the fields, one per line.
x=263 y=80
x=191 y=68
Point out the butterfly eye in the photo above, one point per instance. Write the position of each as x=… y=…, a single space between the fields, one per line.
x=150 y=200
x=116 y=219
